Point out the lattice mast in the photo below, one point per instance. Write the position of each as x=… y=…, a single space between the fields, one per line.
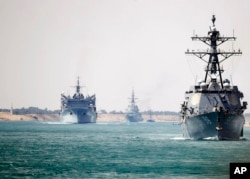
x=213 y=40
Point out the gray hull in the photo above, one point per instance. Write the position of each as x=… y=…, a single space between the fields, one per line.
x=79 y=116
x=229 y=127
x=134 y=118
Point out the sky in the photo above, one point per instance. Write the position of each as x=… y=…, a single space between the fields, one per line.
x=114 y=46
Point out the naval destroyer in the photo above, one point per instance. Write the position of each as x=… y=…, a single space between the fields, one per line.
x=213 y=107
x=133 y=114
x=77 y=108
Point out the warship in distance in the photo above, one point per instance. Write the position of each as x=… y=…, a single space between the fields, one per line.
x=133 y=114
x=213 y=107
x=78 y=109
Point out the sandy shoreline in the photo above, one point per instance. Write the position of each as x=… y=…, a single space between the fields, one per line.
x=6 y=116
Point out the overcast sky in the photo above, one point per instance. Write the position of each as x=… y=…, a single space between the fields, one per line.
x=114 y=46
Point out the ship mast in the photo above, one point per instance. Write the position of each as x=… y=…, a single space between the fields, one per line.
x=78 y=87
x=213 y=40
x=133 y=98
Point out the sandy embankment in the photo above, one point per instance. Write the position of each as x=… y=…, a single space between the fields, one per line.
x=247 y=122
x=6 y=116
x=121 y=118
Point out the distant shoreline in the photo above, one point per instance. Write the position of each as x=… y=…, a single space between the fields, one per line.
x=6 y=116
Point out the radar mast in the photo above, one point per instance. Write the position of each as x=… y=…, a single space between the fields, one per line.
x=213 y=40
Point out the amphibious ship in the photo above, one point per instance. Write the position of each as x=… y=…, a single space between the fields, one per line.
x=213 y=107
x=77 y=108
x=133 y=114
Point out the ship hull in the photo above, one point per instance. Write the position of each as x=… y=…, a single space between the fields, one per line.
x=78 y=115
x=228 y=127
x=134 y=118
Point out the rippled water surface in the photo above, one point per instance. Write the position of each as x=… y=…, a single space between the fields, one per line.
x=113 y=150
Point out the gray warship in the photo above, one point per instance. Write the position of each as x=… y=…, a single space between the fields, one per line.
x=133 y=114
x=78 y=109
x=213 y=107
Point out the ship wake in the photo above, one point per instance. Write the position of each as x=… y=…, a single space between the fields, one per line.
x=69 y=119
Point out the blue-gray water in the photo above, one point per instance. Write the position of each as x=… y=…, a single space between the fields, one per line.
x=113 y=150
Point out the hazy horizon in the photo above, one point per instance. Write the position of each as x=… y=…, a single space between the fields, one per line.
x=114 y=46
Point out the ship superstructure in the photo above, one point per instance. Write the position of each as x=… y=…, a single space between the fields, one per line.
x=78 y=108
x=133 y=114
x=213 y=107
